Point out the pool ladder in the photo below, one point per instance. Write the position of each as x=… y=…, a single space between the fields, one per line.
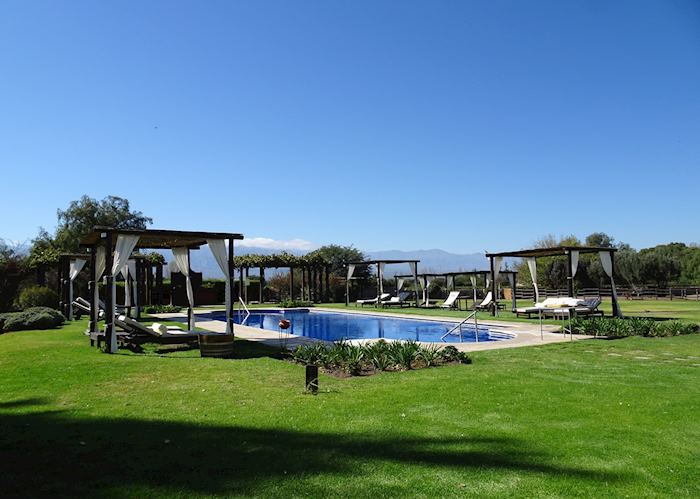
x=459 y=327
x=246 y=310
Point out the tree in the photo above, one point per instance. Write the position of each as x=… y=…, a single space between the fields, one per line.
x=13 y=270
x=82 y=215
x=338 y=258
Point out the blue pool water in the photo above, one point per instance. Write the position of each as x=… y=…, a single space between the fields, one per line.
x=332 y=326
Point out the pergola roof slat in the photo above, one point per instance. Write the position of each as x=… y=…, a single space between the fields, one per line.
x=160 y=238
x=553 y=251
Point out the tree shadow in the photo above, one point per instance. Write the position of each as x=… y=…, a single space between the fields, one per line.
x=53 y=453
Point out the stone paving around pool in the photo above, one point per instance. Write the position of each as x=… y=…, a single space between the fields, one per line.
x=525 y=334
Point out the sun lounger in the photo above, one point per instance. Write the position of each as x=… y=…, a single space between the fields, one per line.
x=139 y=333
x=83 y=307
x=450 y=301
x=487 y=303
x=397 y=301
x=374 y=301
x=560 y=307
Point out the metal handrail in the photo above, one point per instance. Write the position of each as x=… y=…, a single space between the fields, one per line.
x=247 y=311
x=459 y=326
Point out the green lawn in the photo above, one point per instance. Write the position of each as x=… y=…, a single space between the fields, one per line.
x=590 y=418
x=677 y=309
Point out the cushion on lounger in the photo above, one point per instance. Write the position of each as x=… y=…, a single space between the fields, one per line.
x=159 y=328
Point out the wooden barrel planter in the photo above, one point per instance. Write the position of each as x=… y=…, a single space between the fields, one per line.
x=216 y=345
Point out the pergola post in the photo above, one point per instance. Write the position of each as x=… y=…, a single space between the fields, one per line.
x=109 y=293
x=415 y=280
x=291 y=283
x=240 y=283
x=231 y=276
x=379 y=281
x=92 y=286
x=245 y=285
x=514 y=300
x=494 y=288
x=261 y=284
x=159 y=283
x=615 y=306
x=190 y=311
x=569 y=275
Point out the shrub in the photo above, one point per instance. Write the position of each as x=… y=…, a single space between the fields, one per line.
x=429 y=354
x=295 y=303
x=38 y=296
x=31 y=318
x=161 y=309
x=403 y=353
x=634 y=326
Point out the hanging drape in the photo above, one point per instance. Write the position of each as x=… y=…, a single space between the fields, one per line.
x=399 y=284
x=380 y=276
x=220 y=252
x=181 y=256
x=497 y=261
x=450 y=282
x=511 y=281
x=122 y=251
x=574 y=262
x=76 y=265
x=351 y=271
x=606 y=262
x=532 y=265
x=472 y=279
x=100 y=263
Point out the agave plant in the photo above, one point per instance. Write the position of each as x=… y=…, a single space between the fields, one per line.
x=355 y=359
x=430 y=354
x=403 y=353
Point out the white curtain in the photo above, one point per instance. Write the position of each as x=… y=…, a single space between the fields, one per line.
x=497 y=261
x=472 y=279
x=181 y=256
x=100 y=263
x=574 y=262
x=532 y=265
x=122 y=251
x=450 y=282
x=399 y=284
x=606 y=262
x=220 y=252
x=351 y=271
x=76 y=266
x=380 y=276
x=511 y=280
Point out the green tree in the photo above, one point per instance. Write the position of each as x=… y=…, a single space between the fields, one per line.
x=75 y=222
x=338 y=258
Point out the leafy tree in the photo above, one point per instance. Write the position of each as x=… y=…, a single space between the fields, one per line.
x=82 y=215
x=338 y=258
x=13 y=270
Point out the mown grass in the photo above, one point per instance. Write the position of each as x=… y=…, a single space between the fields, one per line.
x=667 y=309
x=590 y=418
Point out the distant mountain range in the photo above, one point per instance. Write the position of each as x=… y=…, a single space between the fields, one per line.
x=434 y=260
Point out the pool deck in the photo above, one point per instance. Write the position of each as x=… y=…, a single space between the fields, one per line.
x=525 y=334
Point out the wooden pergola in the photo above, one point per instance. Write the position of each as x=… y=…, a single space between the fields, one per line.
x=315 y=276
x=606 y=254
x=106 y=240
x=380 y=274
x=450 y=276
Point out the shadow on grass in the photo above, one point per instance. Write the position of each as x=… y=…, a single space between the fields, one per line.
x=52 y=453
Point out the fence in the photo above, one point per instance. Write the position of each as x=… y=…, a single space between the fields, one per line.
x=646 y=293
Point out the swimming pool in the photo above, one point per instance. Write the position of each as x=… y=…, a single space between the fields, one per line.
x=332 y=326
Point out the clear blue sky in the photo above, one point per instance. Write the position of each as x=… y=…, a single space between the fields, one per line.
x=384 y=124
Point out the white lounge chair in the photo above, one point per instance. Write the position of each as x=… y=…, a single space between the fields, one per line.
x=450 y=301
x=374 y=301
x=397 y=301
x=83 y=307
x=487 y=303
x=140 y=333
